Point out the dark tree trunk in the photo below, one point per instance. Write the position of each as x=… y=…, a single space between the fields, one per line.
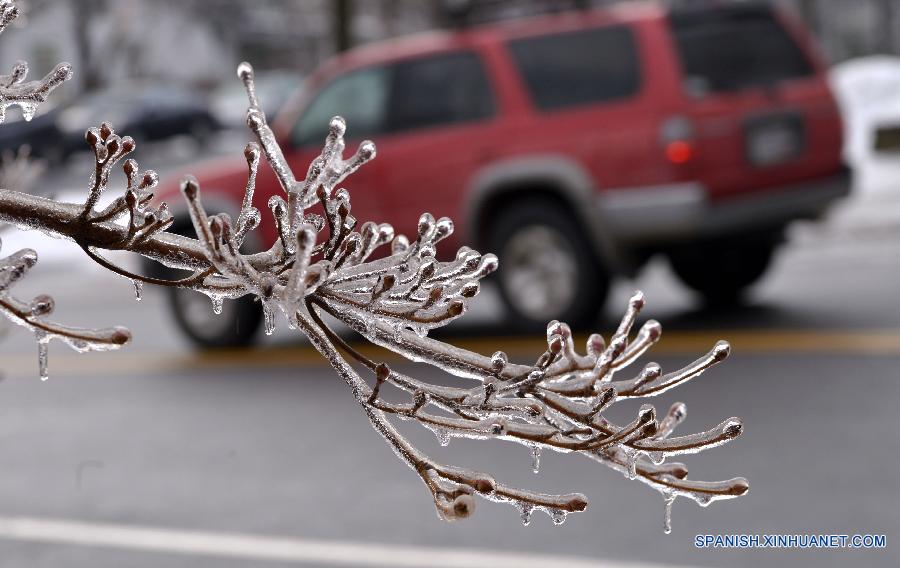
x=90 y=67
x=341 y=23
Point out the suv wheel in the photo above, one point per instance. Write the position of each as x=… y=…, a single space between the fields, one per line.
x=721 y=271
x=548 y=269
x=235 y=326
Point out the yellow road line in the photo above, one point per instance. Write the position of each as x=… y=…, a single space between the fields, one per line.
x=687 y=343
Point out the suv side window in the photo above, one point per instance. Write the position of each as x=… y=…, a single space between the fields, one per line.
x=576 y=68
x=439 y=90
x=361 y=97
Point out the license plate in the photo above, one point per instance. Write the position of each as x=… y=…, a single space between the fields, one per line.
x=887 y=139
x=771 y=141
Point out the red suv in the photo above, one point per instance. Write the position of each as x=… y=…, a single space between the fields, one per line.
x=574 y=146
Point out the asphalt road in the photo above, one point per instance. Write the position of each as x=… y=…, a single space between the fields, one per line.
x=159 y=457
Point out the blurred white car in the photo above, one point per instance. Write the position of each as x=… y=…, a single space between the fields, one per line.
x=867 y=90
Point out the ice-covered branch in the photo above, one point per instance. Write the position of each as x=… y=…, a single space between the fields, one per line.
x=34 y=315
x=325 y=262
x=13 y=87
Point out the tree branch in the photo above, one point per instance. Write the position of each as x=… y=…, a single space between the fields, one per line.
x=321 y=264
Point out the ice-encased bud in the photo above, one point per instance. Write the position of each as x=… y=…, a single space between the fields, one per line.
x=120 y=335
x=653 y=329
x=444 y=227
x=499 y=360
x=128 y=144
x=244 y=71
x=463 y=506
x=367 y=150
x=112 y=145
x=646 y=413
x=41 y=305
x=721 y=351
x=469 y=289
x=425 y=226
x=251 y=152
x=733 y=427
x=190 y=187
x=267 y=284
x=337 y=126
x=151 y=178
x=382 y=372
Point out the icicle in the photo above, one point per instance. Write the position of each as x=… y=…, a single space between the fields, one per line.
x=525 y=510
x=656 y=457
x=42 y=357
x=704 y=499
x=558 y=516
x=28 y=110
x=138 y=289
x=536 y=459
x=443 y=437
x=630 y=462
x=667 y=520
x=217 y=304
x=268 y=319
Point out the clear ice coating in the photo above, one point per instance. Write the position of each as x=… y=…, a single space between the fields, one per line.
x=323 y=266
x=138 y=289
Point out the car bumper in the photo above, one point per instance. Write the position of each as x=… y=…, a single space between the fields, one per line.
x=684 y=211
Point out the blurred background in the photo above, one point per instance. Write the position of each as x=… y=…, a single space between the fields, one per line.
x=739 y=162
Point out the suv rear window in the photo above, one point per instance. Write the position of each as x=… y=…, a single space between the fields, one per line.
x=577 y=68
x=735 y=48
x=442 y=89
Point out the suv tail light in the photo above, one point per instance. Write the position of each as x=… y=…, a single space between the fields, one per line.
x=676 y=134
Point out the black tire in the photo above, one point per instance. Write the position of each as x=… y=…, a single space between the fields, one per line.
x=721 y=271
x=524 y=287
x=236 y=326
x=240 y=321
